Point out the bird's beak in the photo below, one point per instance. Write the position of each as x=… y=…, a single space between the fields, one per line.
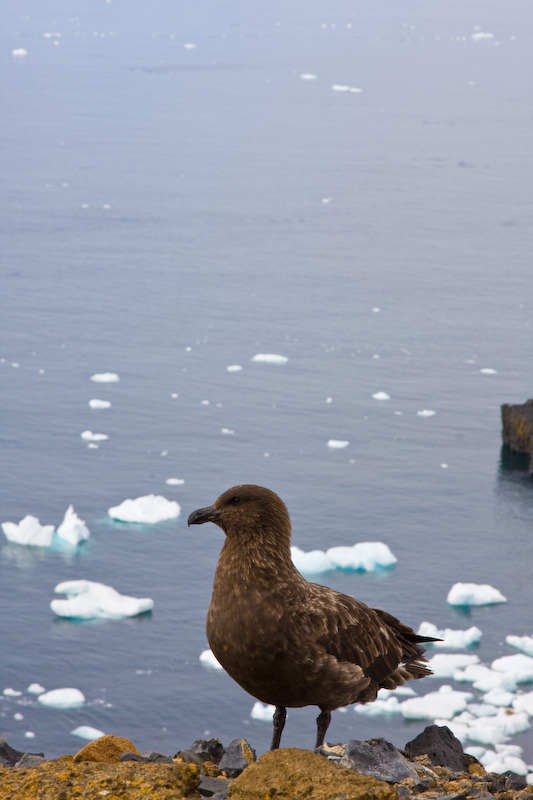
x=201 y=515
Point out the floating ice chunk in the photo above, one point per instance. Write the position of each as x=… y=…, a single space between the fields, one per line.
x=270 y=358
x=338 y=444
x=227 y=431
x=426 y=412
x=340 y=87
x=308 y=76
x=500 y=697
x=389 y=706
x=488 y=371
x=474 y=594
x=91 y=600
x=452 y=640
x=445 y=665
x=519 y=665
x=445 y=703
x=404 y=691
x=89 y=436
x=19 y=52
x=524 y=702
x=481 y=36
x=311 y=563
x=362 y=556
x=234 y=368
x=498 y=729
x=189 y=46
x=18 y=716
x=29 y=735
x=482 y=709
x=95 y=403
x=475 y=750
x=523 y=643
x=62 y=698
x=174 y=481
x=86 y=732
x=29 y=531
x=381 y=396
x=35 y=688
x=502 y=762
x=262 y=712
x=11 y=692
x=105 y=377
x=208 y=658
x=73 y=529
x=149 y=509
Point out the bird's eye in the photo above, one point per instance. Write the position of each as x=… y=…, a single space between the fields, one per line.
x=235 y=500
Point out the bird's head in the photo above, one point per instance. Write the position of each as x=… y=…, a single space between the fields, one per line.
x=246 y=509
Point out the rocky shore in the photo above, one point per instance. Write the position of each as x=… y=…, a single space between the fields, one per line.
x=432 y=766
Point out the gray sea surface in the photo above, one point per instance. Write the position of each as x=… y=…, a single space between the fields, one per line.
x=171 y=210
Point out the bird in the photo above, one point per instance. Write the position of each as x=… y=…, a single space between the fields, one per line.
x=288 y=642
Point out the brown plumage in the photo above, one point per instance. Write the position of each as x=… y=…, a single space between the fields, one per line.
x=289 y=642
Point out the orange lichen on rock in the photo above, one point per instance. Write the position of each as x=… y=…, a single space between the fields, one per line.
x=105 y=749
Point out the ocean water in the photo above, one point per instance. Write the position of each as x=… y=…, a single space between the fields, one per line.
x=168 y=211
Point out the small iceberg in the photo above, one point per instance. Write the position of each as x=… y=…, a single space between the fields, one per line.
x=337 y=444
x=474 y=594
x=452 y=640
x=73 y=529
x=95 y=403
x=341 y=87
x=9 y=692
x=35 y=688
x=426 y=412
x=502 y=760
x=29 y=531
x=524 y=702
x=445 y=665
x=86 y=732
x=62 y=698
x=389 y=706
x=519 y=665
x=262 y=712
x=91 y=600
x=381 y=396
x=234 y=368
x=363 y=556
x=89 y=436
x=175 y=481
x=523 y=643
x=270 y=358
x=149 y=509
x=19 y=52
x=308 y=76
x=445 y=703
x=208 y=658
x=105 y=377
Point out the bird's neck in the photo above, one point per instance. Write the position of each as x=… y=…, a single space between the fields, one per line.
x=255 y=560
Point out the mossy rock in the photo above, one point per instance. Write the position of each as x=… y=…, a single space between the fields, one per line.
x=292 y=774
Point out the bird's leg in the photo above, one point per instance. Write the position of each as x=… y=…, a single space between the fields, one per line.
x=322 y=724
x=280 y=715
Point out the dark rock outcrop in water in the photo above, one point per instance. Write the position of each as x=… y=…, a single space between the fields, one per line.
x=517 y=432
x=288 y=642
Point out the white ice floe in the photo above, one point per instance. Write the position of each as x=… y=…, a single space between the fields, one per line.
x=426 y=412
x=9 y=692
x=499 y=697
x=86 y=732
x=234 y=368
x=481 y=36
x=174 y=481
x=227 y=431
x=487 y=731
x=445 y=703
x=482 y=709
x=519 y=665
x=341 y=87
x=208 y=658
x=524 y=702
x=18 y=716
x=446 y=665
x=89 y=436
x=474 y=594
x=452 y=640
x=62 y=698
x=35 y=688
x=29 y=531
x=19 y=52
x=389 y=706
x=95 y=403
x=148 y=509
x=504 y=758
x=92 y=600
x=29 y=735
x=337 y=444
x=381 y=396
x=105 y=377
x=364 y=556
x=270 y=358
x=189 y=46
x=523 y=643
x=400 y=691
x=488 y=371
x=262 y=712
x=308 y=76
x=485 y=679
x=73 y=529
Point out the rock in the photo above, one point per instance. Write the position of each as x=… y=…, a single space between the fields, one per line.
x=29 y=760
x=379 y=759
x=208 y=749
x=237 y=757
x=517 y=431
x=146 y=757
x=9 y=756
x=332 y=751
x=513 y=782
x=441 y=747
x=292 y=773
x=105 y=749
x=214 y=787
x=65 y=779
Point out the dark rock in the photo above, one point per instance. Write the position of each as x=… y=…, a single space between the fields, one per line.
x=9 y=757
x=208 y=749
x=148 y=756
x=517 y=431
x=334 y=752
x=379 y=759
x=190 y=757
x=214 y=787
x=513 y=781
x=441 y=747
x=237 y=757
x=29 y=760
